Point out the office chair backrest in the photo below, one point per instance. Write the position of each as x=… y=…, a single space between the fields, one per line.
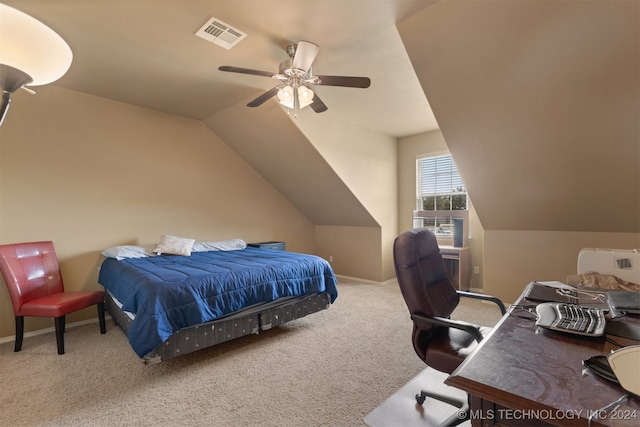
x=30 y=271
x=422 y=276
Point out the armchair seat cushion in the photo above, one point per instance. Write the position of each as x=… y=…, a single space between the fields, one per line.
x=60 y=304
x=448 y=347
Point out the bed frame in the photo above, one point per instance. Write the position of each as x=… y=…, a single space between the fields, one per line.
x=251 y=320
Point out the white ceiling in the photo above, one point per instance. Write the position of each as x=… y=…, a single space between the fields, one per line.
x=145 y=52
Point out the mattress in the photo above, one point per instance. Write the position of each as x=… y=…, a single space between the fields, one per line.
x=168 y=293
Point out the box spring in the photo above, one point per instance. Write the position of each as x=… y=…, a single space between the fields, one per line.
x=251 y=320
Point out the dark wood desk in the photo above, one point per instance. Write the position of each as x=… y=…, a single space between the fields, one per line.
x=523 y=376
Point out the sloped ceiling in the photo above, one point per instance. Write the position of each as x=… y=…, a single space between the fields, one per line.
x=145 y=52
x=539 y=102
x=280 y=152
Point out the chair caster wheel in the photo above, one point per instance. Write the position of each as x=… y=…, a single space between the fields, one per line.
x=420 y=399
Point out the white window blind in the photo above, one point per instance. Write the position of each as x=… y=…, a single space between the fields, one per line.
x=439 y=185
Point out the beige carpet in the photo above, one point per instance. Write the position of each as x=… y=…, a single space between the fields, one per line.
x=329 y=369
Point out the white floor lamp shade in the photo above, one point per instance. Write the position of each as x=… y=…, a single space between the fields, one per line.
x=31 y=54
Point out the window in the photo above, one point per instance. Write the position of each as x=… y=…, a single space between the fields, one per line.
x=439 y=188
x=439 y=185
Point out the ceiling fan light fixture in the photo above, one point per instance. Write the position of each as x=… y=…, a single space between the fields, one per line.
x=305 y=96
x=285 y=97
x=295 y=99
x=295 y=75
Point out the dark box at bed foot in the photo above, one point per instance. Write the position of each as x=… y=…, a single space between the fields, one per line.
x=300 y=308
x=198 y=337
x=119 y=317
x=274 y=246
x=208 y=334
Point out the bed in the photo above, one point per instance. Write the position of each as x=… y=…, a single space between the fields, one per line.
x=170 y=305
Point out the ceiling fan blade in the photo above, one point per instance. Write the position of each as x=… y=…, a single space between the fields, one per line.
x=317 y=105
x=361 y=82
x=245 y=71
x=306 y=52
x=264 y=97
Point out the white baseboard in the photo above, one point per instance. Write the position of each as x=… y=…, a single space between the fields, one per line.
x=387 y=282
x=357 y=279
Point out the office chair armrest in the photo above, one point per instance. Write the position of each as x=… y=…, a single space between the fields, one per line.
x=484 y=297
x=450 y=323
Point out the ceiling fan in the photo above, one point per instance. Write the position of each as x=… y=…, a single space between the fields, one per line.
x=295 y=76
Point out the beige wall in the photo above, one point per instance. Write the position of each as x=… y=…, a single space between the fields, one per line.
x=542 y=119
x=431 y=143
x=540 y=114
x=366 y=162
x=89 y=173
x=514 y=258
x=409 y=148
x=352 y=251
x=508 y=259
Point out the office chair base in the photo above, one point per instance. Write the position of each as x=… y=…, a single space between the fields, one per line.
x=461 y=415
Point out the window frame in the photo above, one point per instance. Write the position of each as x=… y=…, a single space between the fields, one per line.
x=441 y=187
x=441 y=221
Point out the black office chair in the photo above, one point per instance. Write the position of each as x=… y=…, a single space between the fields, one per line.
x=442 y=343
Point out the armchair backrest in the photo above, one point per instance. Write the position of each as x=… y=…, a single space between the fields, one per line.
x=422 y=275
x=30 y=270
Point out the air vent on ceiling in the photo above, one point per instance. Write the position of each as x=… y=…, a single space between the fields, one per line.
x=220 y=33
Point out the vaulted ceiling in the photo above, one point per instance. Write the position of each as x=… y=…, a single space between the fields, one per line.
x=538 y=100
x=146 y=53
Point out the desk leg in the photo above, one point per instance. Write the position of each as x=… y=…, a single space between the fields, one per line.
x=482 y=412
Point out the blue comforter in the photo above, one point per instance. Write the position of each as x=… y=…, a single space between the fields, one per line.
x=170 y=292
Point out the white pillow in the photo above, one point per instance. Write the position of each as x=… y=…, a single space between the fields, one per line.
x=174 y=245
x=222 y=245
x=126 y=251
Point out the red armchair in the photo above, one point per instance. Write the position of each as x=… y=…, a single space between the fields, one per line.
x=32 y=275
